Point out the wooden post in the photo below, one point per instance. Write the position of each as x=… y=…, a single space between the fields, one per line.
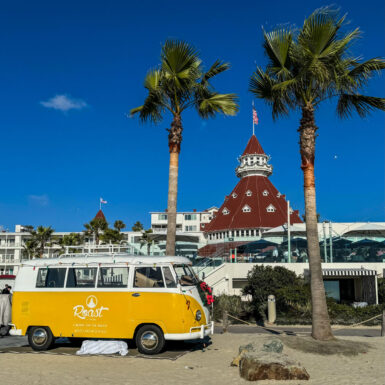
x=225 y=321
x=383 y=324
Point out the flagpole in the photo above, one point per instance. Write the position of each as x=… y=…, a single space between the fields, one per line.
x=100 y=204
x=253 y=115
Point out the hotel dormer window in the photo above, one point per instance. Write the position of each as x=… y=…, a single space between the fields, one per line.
x=225 y=211
x=279 y=195
x=249 y=193
x=265 y=193
x=246 y=209
x=270 y=209
x=234 y=195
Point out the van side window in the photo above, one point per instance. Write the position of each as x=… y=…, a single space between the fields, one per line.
x=51 y=277
x=168 y=277
x=113 y=277
x=148 y=277
x=81 y=277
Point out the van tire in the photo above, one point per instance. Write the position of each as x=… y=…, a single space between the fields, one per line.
x=40 y=338
x=150 y=339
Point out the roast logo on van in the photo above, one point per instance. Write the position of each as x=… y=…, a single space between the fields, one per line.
x=89 y=311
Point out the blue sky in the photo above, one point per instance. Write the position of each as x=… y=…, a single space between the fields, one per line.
x=59 y=154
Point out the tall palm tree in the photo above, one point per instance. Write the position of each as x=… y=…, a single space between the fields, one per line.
x=305 y=68
x=71 y=239
x=177 y=84
x=95 y=228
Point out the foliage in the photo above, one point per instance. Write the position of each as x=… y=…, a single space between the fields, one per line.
x=313 y=64
x=234 y=305
x=119 y=225
x=72 y=239
x=95 y=228
x=146 y=240
x=266 y=280
x=180 y=82
x=113 y=236
x=40 y=238
x=137 y=226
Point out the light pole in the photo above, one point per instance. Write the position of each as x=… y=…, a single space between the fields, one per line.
x=288 y=233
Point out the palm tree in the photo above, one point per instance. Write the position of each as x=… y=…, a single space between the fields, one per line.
x=137 y=226
x=41 y=238
x=95 y=228
x=176 y=85
x=305 y=68
x=30 y=248
x=119 y=225
x=71 y=239
x=145 y=239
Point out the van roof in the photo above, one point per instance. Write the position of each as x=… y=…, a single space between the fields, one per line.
x=105 y=258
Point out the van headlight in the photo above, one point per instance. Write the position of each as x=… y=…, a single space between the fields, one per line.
x=198 y=315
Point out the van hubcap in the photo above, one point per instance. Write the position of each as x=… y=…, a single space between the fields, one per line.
x=149 y=340
x=39 y=336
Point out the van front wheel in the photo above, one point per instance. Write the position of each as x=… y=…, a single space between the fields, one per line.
x=40 y=338
x=149 y=339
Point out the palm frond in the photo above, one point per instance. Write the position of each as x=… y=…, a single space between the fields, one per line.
x=214 y=70
x=362 y=104
x=214 y=103
x=277 y=45
x=180 y=63
x=152 y=80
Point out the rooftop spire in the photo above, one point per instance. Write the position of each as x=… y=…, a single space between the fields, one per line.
x=253 y=161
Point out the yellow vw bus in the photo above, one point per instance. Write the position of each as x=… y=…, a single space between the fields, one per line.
x=148 y=299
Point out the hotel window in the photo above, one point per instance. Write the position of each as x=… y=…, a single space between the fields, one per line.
x=234 y=195
x=242 y=233
x=190 y=228
x=190 y=217
x=265 y=193
x=162 y=217
x=247 y=233
x=270 y=209
x=252 y=233
x=225 y=211
x=279 y=195
x=246 y=209
x=237 y=233
x=232 y=233
x=249 y=193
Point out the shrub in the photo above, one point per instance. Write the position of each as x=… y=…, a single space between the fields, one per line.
x=233 y=305
x=266 y=280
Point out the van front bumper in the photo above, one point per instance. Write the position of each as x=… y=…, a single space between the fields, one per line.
x=195 y=333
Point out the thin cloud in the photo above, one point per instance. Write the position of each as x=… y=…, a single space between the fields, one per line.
x=39 y=200
x=64 y=103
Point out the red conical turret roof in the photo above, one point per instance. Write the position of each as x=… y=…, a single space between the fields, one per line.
x=100 y=215
x=253 y=147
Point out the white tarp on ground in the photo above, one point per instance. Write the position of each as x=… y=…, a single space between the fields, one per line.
x=103 y=347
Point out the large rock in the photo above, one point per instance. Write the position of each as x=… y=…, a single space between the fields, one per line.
x=262 y=365
x=275 y=345
x=272 y=345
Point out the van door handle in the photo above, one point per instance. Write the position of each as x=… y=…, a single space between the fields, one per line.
x=136 y=295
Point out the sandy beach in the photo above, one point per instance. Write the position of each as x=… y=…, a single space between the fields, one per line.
x=211 y=366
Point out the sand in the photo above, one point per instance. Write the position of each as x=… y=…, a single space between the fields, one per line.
x=207 y=367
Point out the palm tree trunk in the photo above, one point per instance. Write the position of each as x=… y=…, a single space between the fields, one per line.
x=174 y=141
x=321 y=329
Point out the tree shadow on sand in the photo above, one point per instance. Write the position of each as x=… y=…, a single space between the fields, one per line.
x=335 y=346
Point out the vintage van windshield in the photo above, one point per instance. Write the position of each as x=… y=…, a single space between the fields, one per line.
x=185 y=275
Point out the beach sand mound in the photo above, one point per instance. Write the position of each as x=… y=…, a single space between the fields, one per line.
x=335 y=346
